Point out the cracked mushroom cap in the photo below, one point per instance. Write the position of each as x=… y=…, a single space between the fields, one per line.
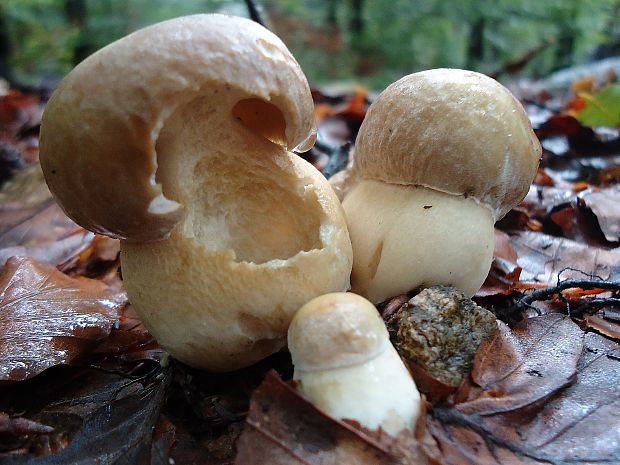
x=454 y=131
x=104 y=170
x=174 y=139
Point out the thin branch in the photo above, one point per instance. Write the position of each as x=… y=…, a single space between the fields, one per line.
x=254 y=10
x=544 y=294
x=595 y=303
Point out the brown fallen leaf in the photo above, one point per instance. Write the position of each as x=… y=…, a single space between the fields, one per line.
x=99 y=260
x=519 y=368
x=48 y=318
x=283 y=428
x=543 y=258
x=32 y=224
x=604 y=204
x=545 y=393
x=601 y=322
x=129 y=340
x=91 y=416
x=504 y=272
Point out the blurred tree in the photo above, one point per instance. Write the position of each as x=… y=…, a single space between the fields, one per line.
x=5 y=47
x=373 y=42
x=76 y=13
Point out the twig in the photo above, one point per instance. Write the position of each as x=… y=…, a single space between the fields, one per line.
x=338 y=156
x=516 y=65
x=543 y=294
x=255 y=12
x=594 y=303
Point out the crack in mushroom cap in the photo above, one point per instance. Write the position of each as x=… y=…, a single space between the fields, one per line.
x=454 y=131
x=334 y=331
x=100 y=128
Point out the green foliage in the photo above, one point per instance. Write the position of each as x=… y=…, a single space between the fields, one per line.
x=397 y=37
x=602 y=109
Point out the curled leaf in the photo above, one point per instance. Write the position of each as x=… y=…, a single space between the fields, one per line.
x=284 y=428
x=48 y=318
x=544 y=394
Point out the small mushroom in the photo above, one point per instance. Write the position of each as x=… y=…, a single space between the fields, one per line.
x=346 y=365
x=174 y=139
x=440 y=157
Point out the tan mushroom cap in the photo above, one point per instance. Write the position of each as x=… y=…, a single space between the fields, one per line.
x=454 y=131
x=334 y=331
x=103 y=170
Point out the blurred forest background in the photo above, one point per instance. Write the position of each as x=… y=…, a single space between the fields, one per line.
x=372 y=42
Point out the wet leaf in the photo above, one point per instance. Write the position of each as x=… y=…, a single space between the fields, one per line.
x=504 y=272
x=543 y=258
x=284 y=428
x=568 y=419
x=519 y=368
x=605 y=323
x=97 y=417
x=32 y=224
x=48 y=318
x=602 y=109
x=605 y=204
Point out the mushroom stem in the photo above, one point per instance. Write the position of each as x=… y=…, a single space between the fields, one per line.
x=377 y=393
x=406 y=236
x=345 y=364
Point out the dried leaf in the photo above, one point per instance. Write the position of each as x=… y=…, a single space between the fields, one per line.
x=606 y=326
x=129 y=340
x=47 y=318
x=504 y=272
x=32 y=224
x=516 y=369
x=577 y=424
x=605 y=203
x=97 y=417
x=284 y=428
x=543 y=258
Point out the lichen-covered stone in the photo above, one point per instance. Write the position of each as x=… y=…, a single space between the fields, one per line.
x=440 y=330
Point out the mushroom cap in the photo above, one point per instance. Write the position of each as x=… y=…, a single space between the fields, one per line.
x=336 y=330
x=454 y=131
x=100 y=128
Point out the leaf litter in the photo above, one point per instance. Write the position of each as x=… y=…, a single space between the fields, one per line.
x=544 y=391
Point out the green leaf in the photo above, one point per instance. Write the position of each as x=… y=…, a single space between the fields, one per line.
x=602 y=109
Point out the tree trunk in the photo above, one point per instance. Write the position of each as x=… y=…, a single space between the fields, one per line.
x=357 y=18
x=76 y=14
x=475 y=49
x=5 y=47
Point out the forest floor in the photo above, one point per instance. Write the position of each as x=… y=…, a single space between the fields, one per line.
x=82 y=381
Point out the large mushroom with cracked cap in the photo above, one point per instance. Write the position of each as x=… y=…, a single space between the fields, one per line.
x=174 y=139
x=440 y=157
x=346 y=365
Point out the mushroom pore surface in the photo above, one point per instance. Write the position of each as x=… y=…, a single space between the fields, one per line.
x=239 y=194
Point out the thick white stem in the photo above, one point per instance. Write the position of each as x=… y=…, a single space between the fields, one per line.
x=377 y=393
x=404 y=237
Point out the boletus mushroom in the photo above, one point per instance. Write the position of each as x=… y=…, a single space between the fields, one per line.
x=345 y=364
x=440 y=157
x=174 y=139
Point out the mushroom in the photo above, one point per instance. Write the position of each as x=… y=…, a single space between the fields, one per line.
x=346 y=365
x=440 y=157
x=174 y=139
